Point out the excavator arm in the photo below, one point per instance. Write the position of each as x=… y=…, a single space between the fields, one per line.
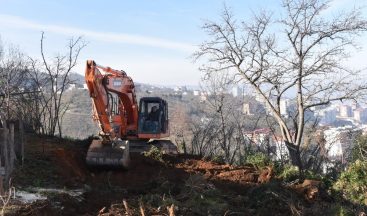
x=114 y=102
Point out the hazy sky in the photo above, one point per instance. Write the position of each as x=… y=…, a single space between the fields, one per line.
x=151 y=40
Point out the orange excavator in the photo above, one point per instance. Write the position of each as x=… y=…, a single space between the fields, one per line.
x=124 y=125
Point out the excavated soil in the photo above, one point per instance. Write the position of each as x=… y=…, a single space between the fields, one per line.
x=180 y=185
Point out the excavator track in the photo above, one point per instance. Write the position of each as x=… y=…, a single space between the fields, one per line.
x=117 y=155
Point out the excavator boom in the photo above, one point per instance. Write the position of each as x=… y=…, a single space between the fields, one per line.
x=114 y=100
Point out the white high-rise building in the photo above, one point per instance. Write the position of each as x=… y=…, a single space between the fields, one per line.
x=284 y=103
x=235 y=91
x=345 y=111
x=247 y=109
x=339 y=141
x=360 y=115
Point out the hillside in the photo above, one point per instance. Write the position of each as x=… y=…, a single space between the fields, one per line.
x=55 y=181
x=77 y=121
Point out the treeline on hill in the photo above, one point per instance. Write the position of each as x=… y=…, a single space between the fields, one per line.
x=32 y=89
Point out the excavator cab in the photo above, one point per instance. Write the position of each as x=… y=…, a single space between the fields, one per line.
x=153 y=117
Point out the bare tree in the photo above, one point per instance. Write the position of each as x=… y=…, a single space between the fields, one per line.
x=6 y=197
x=222 y=112
x=180 y=126
x=307 y=62
x=203 y=133
x=13 y=68
x=51 y=77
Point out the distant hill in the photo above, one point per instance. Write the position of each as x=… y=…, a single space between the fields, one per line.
x=77 y=79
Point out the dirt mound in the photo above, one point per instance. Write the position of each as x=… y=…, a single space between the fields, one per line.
x=141 y=172
x=234 y=174
x=69 y=165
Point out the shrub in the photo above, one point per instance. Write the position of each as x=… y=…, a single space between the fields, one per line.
x=308 y=174
x=338 y=210
x=154 y=153
x=289 y=173
x=352 y=183
x=359 y=151
x=258 y=159
x=219 y=159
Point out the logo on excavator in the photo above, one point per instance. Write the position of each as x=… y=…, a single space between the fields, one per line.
x=117 y=83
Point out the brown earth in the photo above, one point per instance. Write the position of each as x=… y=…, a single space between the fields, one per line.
x=182 y=185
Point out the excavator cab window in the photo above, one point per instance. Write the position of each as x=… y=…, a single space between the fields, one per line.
x=152 y=116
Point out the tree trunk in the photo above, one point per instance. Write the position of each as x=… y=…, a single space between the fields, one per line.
x=295 y=156
x=184 y=146
x=59 y=127
x=4 y=151
x=12 y=156
x=21 y=141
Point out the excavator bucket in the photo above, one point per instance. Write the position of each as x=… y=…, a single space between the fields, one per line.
x=118 y=155
x=108 y=155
